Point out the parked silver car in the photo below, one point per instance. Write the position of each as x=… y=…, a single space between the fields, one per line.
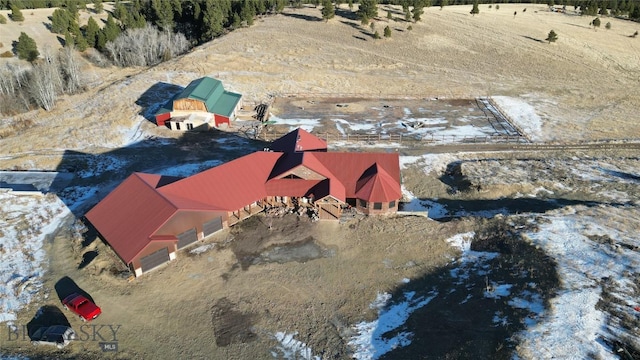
x=58 y=335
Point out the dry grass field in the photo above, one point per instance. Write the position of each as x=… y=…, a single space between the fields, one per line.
x=584 y=86
x=232 y=300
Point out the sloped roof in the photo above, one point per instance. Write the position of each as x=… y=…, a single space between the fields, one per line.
x=205 y=89
x=298 y=140
x=228 y=186
x=376 y=185
x=130 y=214
x=226 y=103
x=211 y=92
x=348 y=168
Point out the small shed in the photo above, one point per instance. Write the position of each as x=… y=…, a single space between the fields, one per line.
x=204 y=96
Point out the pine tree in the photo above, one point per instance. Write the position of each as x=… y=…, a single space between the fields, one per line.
x=444 y=3
x=596 y=23
x=213 y=21
x=16 y=14
x=608 y=26
x=60 y=21
x=91 y=32
x=552 y=37
x=328 y=11
x=163 y=12
x=387 y=31
x=98 y=7
x=26 y=48
x=111 y=30
x=69 y=40
x=368 y=9
x=81 y=42
x=475 y=10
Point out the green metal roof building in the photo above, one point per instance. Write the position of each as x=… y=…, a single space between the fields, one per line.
x=202 y=95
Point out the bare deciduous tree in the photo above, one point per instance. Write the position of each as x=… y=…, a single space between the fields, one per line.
x=146 y=46
x=45 y=82
x=70 y=67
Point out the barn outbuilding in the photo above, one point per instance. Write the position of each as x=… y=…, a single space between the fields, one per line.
x=148 y=218
x=203 y=104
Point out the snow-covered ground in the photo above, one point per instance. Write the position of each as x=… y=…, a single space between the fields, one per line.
x=25 y=221
x=523 y=114
x=591 y=245
x=429 y=126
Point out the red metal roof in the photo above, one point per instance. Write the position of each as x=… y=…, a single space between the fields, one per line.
x=348 y=168
x=298 y=140
x=229 y=186
x=376 y=185
x=130 y=214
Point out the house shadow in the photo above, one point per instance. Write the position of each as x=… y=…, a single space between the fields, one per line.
x=47 y=315
x=66 y=286
x=156 y=97
x=83 y=179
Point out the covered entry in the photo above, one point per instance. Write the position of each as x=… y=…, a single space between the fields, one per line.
x=154 y=260
x=186 y=238
x=212 y=226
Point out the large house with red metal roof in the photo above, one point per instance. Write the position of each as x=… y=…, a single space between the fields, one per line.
x=148 y=218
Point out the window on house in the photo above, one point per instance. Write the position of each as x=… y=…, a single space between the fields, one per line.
x=392 y=204
x=362 y=203
x=177 y=126
x=377 y=206
x=189 y=126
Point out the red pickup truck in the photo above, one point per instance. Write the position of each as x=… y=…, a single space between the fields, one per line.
x=82 y=306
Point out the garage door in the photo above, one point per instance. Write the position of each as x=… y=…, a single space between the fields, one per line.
x=156 y=259
x=212 y=226
x=187 y=237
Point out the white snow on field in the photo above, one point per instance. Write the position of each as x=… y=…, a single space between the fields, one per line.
x=188 y=169
x=429 y=162
x=24 y=223
x=305 y=124
x=371 y=341
x=292 y=349
x=522 y=114
x=573 y=325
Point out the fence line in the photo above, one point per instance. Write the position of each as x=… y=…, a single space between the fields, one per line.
x=376 y=96
x=400 y=138
x=449 y=139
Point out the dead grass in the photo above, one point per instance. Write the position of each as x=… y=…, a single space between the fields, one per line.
x=450 y=55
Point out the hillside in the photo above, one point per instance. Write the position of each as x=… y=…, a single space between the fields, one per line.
x=582 y=86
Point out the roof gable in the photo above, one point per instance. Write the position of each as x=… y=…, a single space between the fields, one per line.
x=202 y=89
x=376 y=185
x=298 y=140
x=348 y=168
x=130 y=214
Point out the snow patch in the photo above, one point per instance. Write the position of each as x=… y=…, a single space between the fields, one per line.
x=24 y=224
x=522 y=114
x=292 y=349
x=371 y=340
